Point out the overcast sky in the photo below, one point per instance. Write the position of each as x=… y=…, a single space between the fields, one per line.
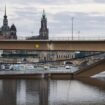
x=89 y=16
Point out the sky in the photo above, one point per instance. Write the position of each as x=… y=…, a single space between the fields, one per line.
x=89 y=17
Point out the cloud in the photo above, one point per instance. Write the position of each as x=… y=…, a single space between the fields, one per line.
x=87 y=24
x=49 y=2
x=100 y=1
x=89 y=16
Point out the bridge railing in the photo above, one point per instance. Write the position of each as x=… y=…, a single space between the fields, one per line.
x=67 y=38
x=60 y=38
x=76 y=38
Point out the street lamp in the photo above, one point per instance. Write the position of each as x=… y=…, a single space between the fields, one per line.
x=72 y=26
x=78 y=35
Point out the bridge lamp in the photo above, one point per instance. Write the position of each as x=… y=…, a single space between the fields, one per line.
x=72 y=26
x=78 y=35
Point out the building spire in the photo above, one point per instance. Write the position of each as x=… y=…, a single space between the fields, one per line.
x=5 y=11
x=43 y=12
x=5 y=20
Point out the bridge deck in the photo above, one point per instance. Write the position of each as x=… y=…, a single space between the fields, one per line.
x=53 y=45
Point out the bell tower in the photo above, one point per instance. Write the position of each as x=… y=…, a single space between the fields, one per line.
x=43 y=32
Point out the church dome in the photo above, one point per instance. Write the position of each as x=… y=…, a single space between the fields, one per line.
x=13 y=27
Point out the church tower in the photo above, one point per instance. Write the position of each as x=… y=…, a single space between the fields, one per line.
x=5 y=28
x=5 y=21
x=43 y=32
x=7 y=32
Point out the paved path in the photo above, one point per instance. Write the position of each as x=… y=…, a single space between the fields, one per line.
x=39 y=71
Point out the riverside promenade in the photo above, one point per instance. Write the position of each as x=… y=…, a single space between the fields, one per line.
x=38 y=73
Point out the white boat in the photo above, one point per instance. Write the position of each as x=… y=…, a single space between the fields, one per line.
x=23 y=67
x=29 y=67
x=46 y=67
x=68 y=67
x=3 y=67
x=68 y=64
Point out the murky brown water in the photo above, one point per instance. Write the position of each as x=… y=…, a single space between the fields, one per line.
x=52 y=92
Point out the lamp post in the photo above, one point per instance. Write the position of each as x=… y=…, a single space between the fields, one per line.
x=72 y=26
x=78 y=35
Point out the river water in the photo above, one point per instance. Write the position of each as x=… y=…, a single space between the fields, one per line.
x=52 y=92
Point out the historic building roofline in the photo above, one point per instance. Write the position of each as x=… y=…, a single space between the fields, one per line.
x=6 y=31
